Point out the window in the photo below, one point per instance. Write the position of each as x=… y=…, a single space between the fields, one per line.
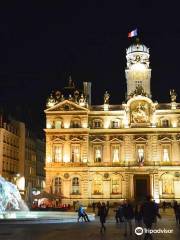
x=115 y=124
x=166 y=153
x=97 y=185
x=57 y=185
x=75 y=153
x=167 y=184
x=116 y=185
x=97 y=123
x=58 y=124
x=57 y=153
x=75 y=185
x=75 y=123
x=115 y=153
x=97 y=153
x=140 y=154
x=165 y=123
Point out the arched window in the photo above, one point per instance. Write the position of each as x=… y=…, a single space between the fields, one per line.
x=58 y=123
x=116 y=185
x=75 y=123
x=75 y=186
x=165 y=123
x=97 y=185
x=57 y=186
x=167 y=184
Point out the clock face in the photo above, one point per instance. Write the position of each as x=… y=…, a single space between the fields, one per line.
x=138 y=58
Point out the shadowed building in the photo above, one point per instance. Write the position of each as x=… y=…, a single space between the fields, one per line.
x=112 y=152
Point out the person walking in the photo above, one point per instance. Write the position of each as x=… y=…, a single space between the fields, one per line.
x=119 y=214
x=149 y=213
x=102 y=216
x=128 y=214
x=138 y=215
x=175 y=207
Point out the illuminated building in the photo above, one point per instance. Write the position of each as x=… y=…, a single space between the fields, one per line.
x=113 y=152
x=21 y=156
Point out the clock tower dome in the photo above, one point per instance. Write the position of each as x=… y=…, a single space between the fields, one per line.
x=138 y=73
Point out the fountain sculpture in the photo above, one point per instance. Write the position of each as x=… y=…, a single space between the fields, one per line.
x=10 y=198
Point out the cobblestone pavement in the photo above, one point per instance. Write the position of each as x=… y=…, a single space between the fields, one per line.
x=84 y=231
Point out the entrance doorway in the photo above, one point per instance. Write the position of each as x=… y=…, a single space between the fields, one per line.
x=141 y=187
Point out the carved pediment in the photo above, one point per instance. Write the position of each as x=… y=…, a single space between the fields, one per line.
x=97 y=139
x=140 y=138
x=58 y=139
x=165 y=138
x=116 y=139
x=66 y=105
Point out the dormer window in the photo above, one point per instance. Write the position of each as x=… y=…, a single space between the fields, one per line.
x=115 y=124
x=75 y=123
x=97 y=123
x=165 y=123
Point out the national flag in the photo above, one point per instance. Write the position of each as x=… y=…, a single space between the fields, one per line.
x=133 y=33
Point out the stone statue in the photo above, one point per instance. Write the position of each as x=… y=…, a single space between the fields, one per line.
x=58 y=96
x=76 y=95
x=173 y=95
x=106 y=97
x=62 y=98
x=139 y=115
x=70 y=97
x=82 y=100
x=51 y=101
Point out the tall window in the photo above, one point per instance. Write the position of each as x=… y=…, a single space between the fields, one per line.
x=75 y=186
x=97 y=185
x=116 y=185
x=97 y=123
x=98 y=153
x=167 y=187
x=140 y=154
x=115 y=153
x=165 y=123
x=115 y=124
x=57 y=185
x=58 y=124
x=75 y=123
x=57 y=153
x=75 y=153
x=166 y=153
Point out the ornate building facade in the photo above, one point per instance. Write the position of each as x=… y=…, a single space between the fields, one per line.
x=113 y=152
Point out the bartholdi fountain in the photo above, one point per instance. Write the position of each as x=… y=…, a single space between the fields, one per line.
x=13 y=207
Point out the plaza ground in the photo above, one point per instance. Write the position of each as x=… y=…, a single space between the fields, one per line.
x=83 y=231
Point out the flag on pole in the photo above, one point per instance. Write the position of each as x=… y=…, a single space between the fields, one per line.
x=132 y=33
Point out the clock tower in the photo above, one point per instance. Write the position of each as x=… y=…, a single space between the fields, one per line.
x=138 y=73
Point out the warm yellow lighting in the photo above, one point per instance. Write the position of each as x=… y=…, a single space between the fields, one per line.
x=48 y=125
x=106 y=107
x=66 y=124
x=66 y=159
x=20 y=182
x=174 y=124
x=49 y=159
x=84 y=125
x=138 y=67
x=106 y=124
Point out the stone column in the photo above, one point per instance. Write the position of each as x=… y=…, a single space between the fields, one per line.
x=106 y=188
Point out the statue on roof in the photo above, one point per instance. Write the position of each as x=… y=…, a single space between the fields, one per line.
x=51 y=101
x=106 y=97
x=82 y=100
x=58 y=96
x=173 y=95
x=62 y=98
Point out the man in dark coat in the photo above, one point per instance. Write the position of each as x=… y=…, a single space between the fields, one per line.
x=102 y=215
x=128 y=214
x=149 y=213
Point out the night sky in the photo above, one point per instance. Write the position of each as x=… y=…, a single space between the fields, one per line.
x=41 y=44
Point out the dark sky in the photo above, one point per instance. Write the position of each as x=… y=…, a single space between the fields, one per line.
x=40 y=44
